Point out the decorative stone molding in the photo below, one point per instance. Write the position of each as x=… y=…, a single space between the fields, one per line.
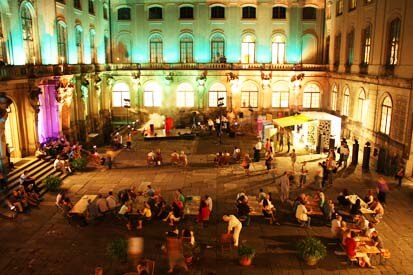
x=4 y=106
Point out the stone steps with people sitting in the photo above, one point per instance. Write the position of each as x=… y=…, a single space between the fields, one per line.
x=38 y=168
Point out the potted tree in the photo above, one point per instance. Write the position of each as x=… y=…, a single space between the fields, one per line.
x=52 y=183
x=246 y=254
x=190 y=251
x=312 y=250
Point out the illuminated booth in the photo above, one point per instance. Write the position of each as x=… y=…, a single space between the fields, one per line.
x=314 y=131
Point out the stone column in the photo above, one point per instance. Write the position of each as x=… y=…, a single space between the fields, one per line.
x=4 y=105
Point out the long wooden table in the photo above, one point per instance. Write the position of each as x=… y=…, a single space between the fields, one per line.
x=81 y=206
x=256 y=207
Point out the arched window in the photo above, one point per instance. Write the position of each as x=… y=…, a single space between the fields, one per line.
x=334 y=96
x=124 y=48
x=120 y=94
x=107 y=47
x=91 y=7
x=156 y=49
x=217 y=47
x=346 y=102
x=186 y=49
x=185 y=95
x=249 y=96
x=362 y=106
x=79 y=44
x=62 y=41
x=386 y=109
x=366 y=45
x=311 y=96
x=105 y=11
x=394 y=42
x=152 y=95
x=280 y=96
x=337 y=49
x=309 y=49
x=248 y=49
x=309 y=13
x=278 y=49
x=216 y=91
x=339 y=7
x=92 y=35
x=28 y=34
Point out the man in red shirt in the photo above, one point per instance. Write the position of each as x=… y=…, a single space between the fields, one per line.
x=351 y=250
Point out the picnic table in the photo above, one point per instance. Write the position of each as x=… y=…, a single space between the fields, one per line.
x=353 y=198
x=192 y=205
x=369 y=249
x=256 y=207
x=81 y=206
x=314 y=206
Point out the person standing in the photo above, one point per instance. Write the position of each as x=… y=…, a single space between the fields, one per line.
x=129 y=141
x=382 y=189
x=345 y=152
x=284 y=187
x=268 y=160
x=288 y=136
x=233 y=224
x=293 y=157
x=399 y=176
x=257 y=150
x=303 y=175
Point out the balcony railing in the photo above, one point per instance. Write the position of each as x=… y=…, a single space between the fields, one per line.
x=32 y=71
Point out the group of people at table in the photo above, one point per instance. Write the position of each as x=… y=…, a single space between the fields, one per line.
x=155 y=158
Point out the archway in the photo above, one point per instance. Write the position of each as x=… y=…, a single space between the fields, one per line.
x=12 y=132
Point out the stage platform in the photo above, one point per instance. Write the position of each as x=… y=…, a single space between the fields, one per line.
x=174 y=134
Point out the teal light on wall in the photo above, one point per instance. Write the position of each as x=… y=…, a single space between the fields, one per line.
x=293 y=54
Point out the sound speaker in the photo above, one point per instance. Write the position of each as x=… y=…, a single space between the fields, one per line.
x=241 y=115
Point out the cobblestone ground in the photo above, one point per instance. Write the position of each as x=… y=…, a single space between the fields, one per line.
x=43 y=242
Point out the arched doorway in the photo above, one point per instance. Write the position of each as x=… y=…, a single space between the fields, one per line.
x=12 y=132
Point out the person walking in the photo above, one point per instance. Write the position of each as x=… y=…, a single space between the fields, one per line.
x=303 y=175
x=284 y=187
x=382 y=189
x=399 y=176
x=233 y=225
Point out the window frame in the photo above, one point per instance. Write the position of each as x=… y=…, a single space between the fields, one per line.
x=186 y=13
x=337 y=49
x=275 y=46
x=249 y=12
x=157 y=8
x=352 y=5
x=386 y=115
x=77 y=4
x=61 y=45
x=79 y=44
x=214 y=94
x=91 y=7
x=121 y=92
x=92 y=45
x=185 y=90
x=309 y=16
x=247 y=44
x=361 y=104
x=334 y=98
x=366 y=45
x=27 y=22
x=394 y=36
x=282 y=92
x=339 y=7
x=346 y=102
x=278 y=12
x=127 y=16
x=217 y=44
x=307 y=92
x=158 y=49
x=186 y=49
x=155 y=94
x=220 y=8
x=350 y=48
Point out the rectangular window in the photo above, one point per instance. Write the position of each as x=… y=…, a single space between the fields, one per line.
x=309 y=13
x=152 y=99
x=184 y=99
x=278 y=52
x=186 y=52
x=124 y=14
x=279 y=13
x=76 y=4
x=311 y=100
x=249 y=99
x=105 y=12
x=280 y=99
x=337 y=46
x=366 y=46
x=118 y=98
x=248 y=52
x=217 y=51
x=213 y=98
x=394 y=42
x=156 y=51
x=186 y=13
x=91 y=7
x=248 y=13
x=217 y=12
x=92 y=47
x=339 y=7
x=352 y=4
x=350 y=48
x=107 y=49
x=155 y=13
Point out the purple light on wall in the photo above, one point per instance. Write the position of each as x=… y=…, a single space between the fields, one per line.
x=48 y=126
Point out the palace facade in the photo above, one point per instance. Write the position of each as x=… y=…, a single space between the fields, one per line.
x=78 y=67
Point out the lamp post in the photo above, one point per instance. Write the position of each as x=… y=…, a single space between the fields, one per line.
x=220 y=104
x=126 y=104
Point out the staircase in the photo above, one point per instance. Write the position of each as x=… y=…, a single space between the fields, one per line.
x=38 y=168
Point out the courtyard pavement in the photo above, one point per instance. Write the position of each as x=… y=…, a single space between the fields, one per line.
x=43 y=242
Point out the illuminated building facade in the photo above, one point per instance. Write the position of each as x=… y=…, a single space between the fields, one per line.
x=71 y=66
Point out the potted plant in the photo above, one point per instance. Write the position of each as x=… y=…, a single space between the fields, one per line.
x=245 y=254
x=79 y=164
x=52 y=183
x=311 y=250
x=117 y=249
x=190 y=251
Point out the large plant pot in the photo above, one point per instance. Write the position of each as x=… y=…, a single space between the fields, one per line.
x=311 y=261
x=245 y=261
